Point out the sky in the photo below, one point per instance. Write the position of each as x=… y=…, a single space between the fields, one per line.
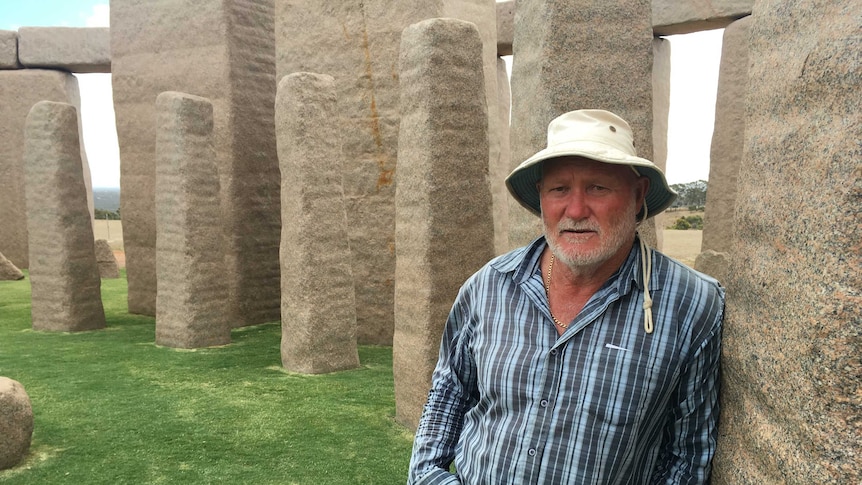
x=694 y=80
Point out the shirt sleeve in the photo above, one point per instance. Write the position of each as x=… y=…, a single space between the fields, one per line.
x=689 y=440
x=452 y=394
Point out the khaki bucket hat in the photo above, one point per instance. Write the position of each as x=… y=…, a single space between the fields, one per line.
x=595 y=134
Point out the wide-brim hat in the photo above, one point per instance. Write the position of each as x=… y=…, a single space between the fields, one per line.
x=597 y=135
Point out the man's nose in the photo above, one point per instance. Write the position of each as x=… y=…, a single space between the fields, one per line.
x=577 y=206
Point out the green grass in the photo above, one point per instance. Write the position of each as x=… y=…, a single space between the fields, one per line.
x=112 y=407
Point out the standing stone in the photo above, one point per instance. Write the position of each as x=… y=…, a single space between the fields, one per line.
x=725 y=153
x=224 y=51
x=190 y=303
x=318 y=312
x=64 y=277
x=661 y=113
x=444 y=228
x=791 y=370
x=714 y=264
x=19 y=91
x=576 y=54
x=16 y=423
x=108 y=267
x=357 y=42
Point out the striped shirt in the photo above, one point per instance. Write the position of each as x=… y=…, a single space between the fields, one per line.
x=605 y=403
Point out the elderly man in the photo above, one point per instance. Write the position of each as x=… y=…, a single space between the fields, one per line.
x=584 y=357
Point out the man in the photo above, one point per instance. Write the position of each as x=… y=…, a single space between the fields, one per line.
x=584 y=357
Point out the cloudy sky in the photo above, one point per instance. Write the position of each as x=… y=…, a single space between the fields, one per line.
x=694 y=78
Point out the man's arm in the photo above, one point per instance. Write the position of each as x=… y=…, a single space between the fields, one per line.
x=451 y=395
x=689 y=441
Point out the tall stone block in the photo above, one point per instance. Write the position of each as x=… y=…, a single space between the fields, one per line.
x=661 y=113
x=20 y=90
x=224 y=51
x=791 y=368
x=575 y=54
x=9 y=50
x=190 y=301
x=356 y=41
x=64 y=276
x=444 y=230
x=725 y=152
x=318 y=312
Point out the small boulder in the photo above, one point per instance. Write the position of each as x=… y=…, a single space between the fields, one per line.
x=108 y=267
x=16 y=423
x=9 y=271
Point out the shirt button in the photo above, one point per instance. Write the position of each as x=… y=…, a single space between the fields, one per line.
x=531 y=452
x=543 y=403
x=553 y=351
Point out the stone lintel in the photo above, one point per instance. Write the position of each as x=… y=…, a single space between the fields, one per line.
x=669 y=17
x=73 y=49
x=9 y=49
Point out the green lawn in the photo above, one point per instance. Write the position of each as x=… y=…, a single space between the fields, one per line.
x=111 y=407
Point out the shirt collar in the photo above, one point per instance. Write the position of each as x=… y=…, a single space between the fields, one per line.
x=524 y=262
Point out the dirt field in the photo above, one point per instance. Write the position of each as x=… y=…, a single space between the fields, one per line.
x=681 y=245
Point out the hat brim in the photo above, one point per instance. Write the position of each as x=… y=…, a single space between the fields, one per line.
x=522 y=181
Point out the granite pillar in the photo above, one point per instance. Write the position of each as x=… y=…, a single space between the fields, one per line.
x=444 y=229
x=318 y=311
x=791 y=371
x=64 y=276
x=190 y=270
x=725 y=152
x=224 y=51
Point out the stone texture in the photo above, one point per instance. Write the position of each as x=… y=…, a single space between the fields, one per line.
x=505 y=27
x=191 y=298
x=572 y=55
x=9 y=50
x=357 y=43
x=497 y=174
x=20 y=90
x=725 y=153
x=714 y=264
x=683 y=17
x=9 y=271
x=73 y=49
x=108 y=267
x=16 y=423
x=444 y=229
x=791 y=371
x=318 y=323
x=224 y=51
x=64 y=276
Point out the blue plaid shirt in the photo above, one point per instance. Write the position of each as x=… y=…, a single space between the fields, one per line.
x=605 y=403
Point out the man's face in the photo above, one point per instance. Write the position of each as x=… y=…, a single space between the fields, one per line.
x=589 y=210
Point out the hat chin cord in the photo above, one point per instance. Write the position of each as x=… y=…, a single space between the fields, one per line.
x=646 y=269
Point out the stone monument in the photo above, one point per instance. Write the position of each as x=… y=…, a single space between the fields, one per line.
x=444 y=229
x=64 y=276
x=108 y=267
x=9 y=271
x=318 y=312
x=191 y=298
x=792 y=407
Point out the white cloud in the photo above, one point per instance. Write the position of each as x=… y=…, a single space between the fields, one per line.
x=101 y=16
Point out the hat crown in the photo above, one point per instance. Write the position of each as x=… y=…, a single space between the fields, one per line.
x=592 y=126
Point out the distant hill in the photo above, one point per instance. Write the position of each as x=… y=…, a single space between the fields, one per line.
x=106 y=199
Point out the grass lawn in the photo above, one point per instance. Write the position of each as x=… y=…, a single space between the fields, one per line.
x=112 y=407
